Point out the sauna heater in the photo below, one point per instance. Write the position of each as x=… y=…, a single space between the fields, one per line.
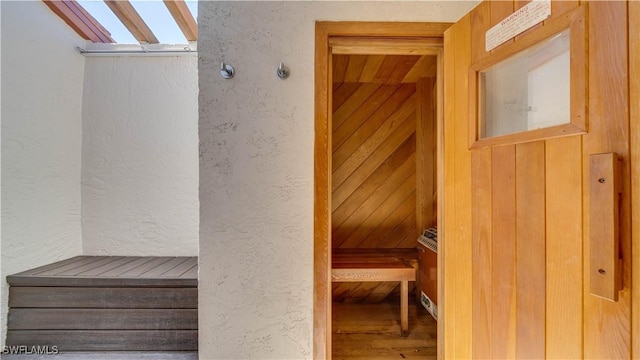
x=428 y=279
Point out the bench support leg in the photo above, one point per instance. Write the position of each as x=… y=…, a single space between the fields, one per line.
x=404 y=308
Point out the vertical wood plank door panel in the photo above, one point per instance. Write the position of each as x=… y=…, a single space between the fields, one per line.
x=607 y=323
x=462 y=220
x=447 y=328
x=499 y=10
x=529 y=211
x=480 y=19
x=530 y=250
x=562 y=6
x=503 y=321
x=564 y=248
x=518 y=4
x=457 y=194
x=482 y=253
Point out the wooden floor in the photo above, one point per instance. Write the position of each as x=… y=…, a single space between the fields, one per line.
x=106 y=303
x=372 y=331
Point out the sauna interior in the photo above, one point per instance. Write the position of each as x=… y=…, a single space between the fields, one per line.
x=383 y=198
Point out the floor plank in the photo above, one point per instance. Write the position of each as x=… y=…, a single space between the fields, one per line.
x=64 y=266
x=371 y=331
x=105 y=268
x=107 y=340
x=179 y=270
x=112 y=271
x=42 y=269
x=137 y=262
x=91 y=263
x=110 y=355
x=103 y=298
x=102 y=319
x=165 y=267
x=135 y=272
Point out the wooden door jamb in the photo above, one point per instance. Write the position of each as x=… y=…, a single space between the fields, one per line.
x=365 y=38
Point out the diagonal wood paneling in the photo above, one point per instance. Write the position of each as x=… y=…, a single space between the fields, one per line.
x=374 y=121
x=397 y=105
x=374 y=164
x=382 y=69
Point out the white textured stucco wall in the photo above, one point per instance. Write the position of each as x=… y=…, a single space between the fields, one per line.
x=256 y=169
x=42 y=79
x=140 y=156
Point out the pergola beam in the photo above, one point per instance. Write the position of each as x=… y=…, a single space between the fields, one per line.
x=184 y=18
x=132 y=21
x=80 y=20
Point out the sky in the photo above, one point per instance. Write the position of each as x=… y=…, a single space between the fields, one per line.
x=153 y=12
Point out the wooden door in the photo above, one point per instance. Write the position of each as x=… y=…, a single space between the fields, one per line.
x=516 y=225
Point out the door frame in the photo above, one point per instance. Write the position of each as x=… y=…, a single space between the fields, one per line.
x=634 y=113
x=400 y=38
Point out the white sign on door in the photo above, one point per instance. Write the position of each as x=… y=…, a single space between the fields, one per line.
x=514 y=24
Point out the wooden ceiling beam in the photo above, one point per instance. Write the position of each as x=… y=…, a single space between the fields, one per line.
x=184 y=18
x=93 y=20
x=80 y=20
x=132 y=20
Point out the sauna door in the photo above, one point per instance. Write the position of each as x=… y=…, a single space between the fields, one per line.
x=517 y=214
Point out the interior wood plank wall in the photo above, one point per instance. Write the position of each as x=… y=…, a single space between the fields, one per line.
x=426 y=158
x=526 y=234
x=373 y=168
x=383 y=131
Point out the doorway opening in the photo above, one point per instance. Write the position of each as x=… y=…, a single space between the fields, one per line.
x=379 y=101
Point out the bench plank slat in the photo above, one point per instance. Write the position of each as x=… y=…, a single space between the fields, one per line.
x=402 y=253
x=354 y=273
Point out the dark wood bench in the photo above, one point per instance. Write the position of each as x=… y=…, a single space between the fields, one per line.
x=361 y=265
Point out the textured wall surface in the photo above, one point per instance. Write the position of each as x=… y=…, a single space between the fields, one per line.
x=256 y=169
x=140 y=156
x=42 y=79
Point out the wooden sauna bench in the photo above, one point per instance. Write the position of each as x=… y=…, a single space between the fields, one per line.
x=106 y=303
x=361 y=265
